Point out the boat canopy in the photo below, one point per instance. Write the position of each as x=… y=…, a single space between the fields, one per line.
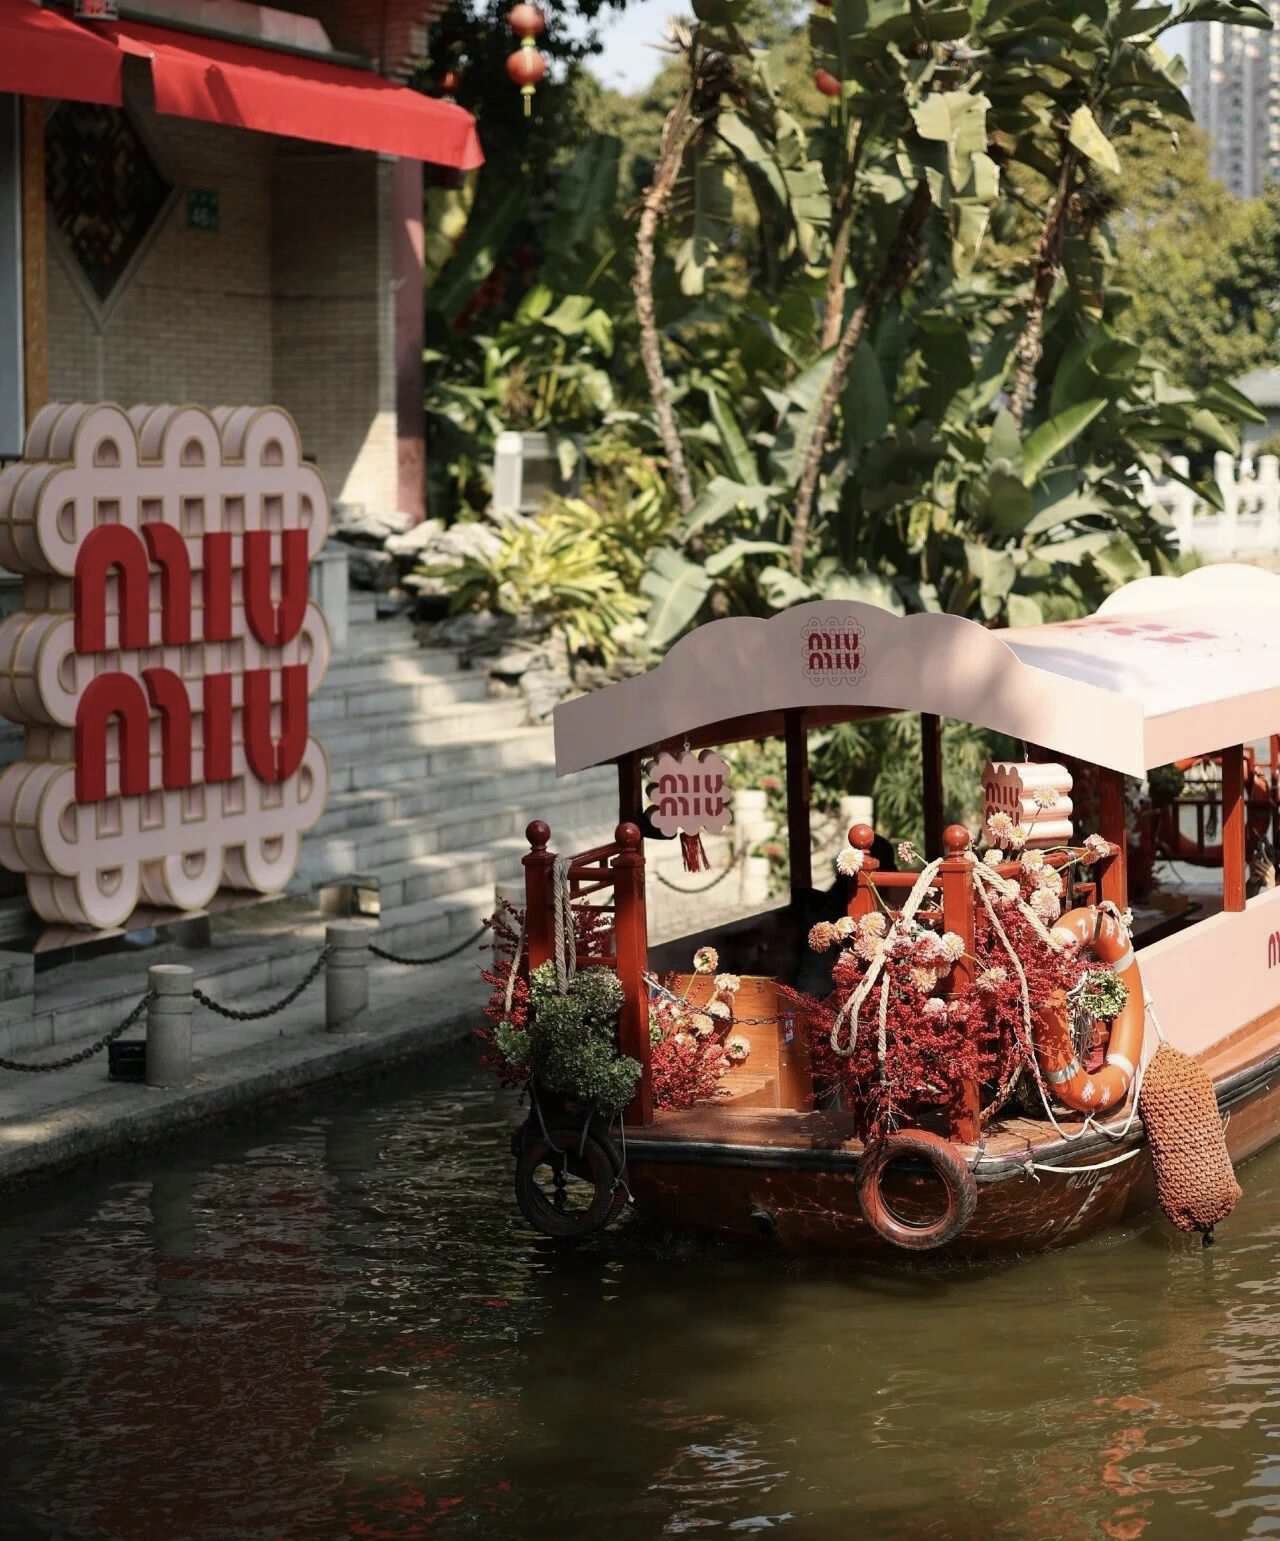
x=1166 y=669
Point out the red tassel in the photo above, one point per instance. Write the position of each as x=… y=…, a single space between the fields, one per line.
x=695 y=854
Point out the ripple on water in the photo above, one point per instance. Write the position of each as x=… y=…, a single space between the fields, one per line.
x=338 y=1327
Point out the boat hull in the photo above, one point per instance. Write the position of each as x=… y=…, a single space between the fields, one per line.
x=803 y=1199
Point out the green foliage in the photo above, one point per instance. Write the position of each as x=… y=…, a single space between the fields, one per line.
x=1102 y=994
x=1205 y=306
x=991 y=216
x=569 y=1047
x=560 y=566
x=1165 y=784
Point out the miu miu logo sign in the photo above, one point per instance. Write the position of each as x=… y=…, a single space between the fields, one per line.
x=834 y=651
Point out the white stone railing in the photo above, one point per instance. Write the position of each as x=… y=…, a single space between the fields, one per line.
x=1248 y=524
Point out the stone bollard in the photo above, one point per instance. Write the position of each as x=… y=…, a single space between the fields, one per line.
x=346 y=974
x=169 y=1024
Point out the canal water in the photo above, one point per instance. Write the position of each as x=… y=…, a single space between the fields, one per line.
x=334 y=1325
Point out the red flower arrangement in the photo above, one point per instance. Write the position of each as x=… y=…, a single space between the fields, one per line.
x=932 y=1045
x=688 y=1054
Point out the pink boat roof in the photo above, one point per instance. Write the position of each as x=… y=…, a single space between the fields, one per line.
x=1167 y=668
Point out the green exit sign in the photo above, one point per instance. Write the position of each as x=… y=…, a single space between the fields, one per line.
x=202 y=209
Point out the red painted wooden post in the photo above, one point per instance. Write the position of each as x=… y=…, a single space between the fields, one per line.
x=798 y=836
x=931 y=767
x=539 y=922
x=957 y=916
x=1113 y=878
x=630 y=789
x=631 y=938
x=1233 y=825
x=863 y=902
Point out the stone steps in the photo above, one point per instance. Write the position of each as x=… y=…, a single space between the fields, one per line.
x=410 y=799
x=468 y=826
x=376 y=735
x=483 y=756
x=377 y=698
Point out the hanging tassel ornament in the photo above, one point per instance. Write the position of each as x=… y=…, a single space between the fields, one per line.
x=694 y=853
x=526 y=67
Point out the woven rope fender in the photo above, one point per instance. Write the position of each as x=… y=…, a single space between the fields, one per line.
x=1195 y=1182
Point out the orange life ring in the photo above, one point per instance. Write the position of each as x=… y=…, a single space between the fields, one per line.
x=1106 y=937
x=947 y=1163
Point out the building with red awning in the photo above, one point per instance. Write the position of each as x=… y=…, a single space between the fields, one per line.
x=215 y=201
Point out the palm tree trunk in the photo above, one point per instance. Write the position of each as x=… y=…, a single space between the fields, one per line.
x=677 y=132
x=904 y=253
x=1048 y=257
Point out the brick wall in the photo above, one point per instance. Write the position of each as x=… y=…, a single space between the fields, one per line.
x=193 y=320
x=333 y=318
x=289 y=301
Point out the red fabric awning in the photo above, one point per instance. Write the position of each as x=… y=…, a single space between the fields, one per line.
x=43 y=53
x=300 y=98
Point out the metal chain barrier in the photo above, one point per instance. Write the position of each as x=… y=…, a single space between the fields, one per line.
x=702 y=888
x=268 y=1011
x=95 y=1047
x=440 y=957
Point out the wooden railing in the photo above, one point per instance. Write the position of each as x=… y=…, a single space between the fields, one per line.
x=958 y=914
x=616 y=869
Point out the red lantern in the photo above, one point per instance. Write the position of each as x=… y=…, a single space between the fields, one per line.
x=526 y=68
x=527 y=21
x=827 y=83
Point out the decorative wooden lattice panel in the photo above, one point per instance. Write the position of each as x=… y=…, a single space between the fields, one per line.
x=104 y=190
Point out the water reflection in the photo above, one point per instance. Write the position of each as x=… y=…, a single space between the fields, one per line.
x=337 y=1327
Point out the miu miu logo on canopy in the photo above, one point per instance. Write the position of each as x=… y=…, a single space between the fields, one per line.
x=834 y=651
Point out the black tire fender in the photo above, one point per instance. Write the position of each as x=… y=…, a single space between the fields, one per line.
x=949 y=1165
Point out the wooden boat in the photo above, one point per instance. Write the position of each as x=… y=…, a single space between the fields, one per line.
x=1167 y=670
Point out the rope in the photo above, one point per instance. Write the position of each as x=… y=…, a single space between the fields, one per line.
x=1094 y=1166
x=514 y=970
x=440 y=957
x=566 y=936
x=982 y=883
x=852 y=1008
x=702 y=888
x=81 y=1055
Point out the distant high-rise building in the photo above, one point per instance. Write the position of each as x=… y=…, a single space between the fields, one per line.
x=1235 y=96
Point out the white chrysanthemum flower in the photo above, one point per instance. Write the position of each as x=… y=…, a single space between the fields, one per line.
x=706 y=960
x=908 y=856
x=720 y=1010
x=848 y=863
x=994 y=857
x=935 y=1006
x=728 y=984
x=924 y=979
x=822 y=936
x=1018 y=838
x=1046 y=905
x=1049 y=878
x=990 y=979
x=952 y=946
x=999 y=829
x=845 y=926
x=868 y=947
x=702 y=1024
x=1032 y=861
x=1095 y=849
x=1045 y=799
x=738 y=1048
x=873 y=924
